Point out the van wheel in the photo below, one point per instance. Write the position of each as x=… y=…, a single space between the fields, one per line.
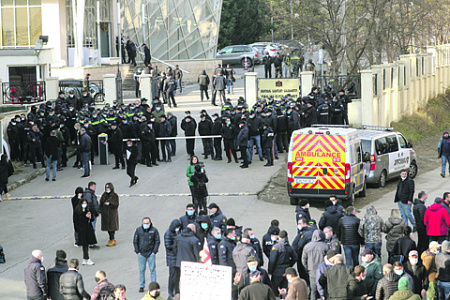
x=382 y=180
x=364 y=191
x=294 y=200
x=412 y=170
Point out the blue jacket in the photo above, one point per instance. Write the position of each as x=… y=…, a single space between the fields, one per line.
x=187 y=247
x=146 y=241
x=282 y=256
x=226 y=247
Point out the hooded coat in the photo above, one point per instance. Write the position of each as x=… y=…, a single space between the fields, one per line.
x=331 y=217
x=314 y=252
x=437 y=220
x=110 y=213
x=169 y=243
x=394 y=229
x=387 y=286
x=371 y=226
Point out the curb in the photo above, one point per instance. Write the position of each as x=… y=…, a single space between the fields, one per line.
x=14 y=185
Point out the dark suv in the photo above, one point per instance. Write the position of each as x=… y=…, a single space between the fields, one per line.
x=78 y=85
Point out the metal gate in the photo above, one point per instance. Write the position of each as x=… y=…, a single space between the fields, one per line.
x=25 y=93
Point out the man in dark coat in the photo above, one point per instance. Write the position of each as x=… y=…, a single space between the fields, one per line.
x=205 y=127
x=165 y=130
x=85 y=149
x=217 y=130
x=336 y=279
x=330 y=217
x=349 y=236
x=35 y=137
x=216 y=216
x=419 y=210
x=203 y=83
x=187 y=248
x=226 y=247
x=147 y=56
x=404 y=197
x=171 y=257
x=35 y=280
x=256 y=290
x=132 y=153
x=71 y=284
x=51 y=152
x=115 y=138
x=242 y=140
x=189 y=126
x=229 y=133
x=54 y=273
x=418 y=272
x=146 y=244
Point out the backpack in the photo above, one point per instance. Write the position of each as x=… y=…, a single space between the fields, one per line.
x=2 y=256
x=106 y=291
x=201 y=187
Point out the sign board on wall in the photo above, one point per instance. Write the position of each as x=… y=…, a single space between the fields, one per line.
x=202 y=283
x=278 y=88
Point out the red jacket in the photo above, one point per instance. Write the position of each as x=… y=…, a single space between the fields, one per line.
x=437 y=220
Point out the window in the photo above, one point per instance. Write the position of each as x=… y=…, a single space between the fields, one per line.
x=393 y=144
x=366 y=145
x=20 y=23
x=358 y=154
x=381 y=146
x=227 y=50
x=402 y=141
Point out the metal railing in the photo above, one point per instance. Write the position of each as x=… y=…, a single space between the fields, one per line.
x=95 y=88
x=350 y=83
x=23 y=93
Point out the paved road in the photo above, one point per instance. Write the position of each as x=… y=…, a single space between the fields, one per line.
x=46 y=224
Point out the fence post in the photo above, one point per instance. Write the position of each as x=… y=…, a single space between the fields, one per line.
x=251 y=88
x=307 y=82
x=1 y=93
x=146 y=86
x=367 y=97
x=52 y=87
x=109 y=83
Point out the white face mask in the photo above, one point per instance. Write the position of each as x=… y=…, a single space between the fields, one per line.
x=398 y=272
x=364 y=259
x=84 y=205
x=404 y=177
x=300 y=227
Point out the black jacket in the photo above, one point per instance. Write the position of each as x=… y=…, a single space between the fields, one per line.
x=242 y=138
x=219 y=220
x=405 y=190
x=419 y=209
x=133 y=158
x=267 y=138
x=257 y=290
x=115 y=138
x=169 y=243
x=6 y=170
x=403 y=245
x=35 y=280
x=196 y=179
x=387 y=286
x=51 y=147
x=348 y=230
x=229 y=132
x=419 y=275
x=282 y=256
x=225 y=251
x=205 y=127
x=331 y=217
x=217 y=127
x=186 y=220
x=213 y=245
x=146 y=241
x=187 y=247
x=71 y=286
x=54 y=273
x=254 y=126
x=189 y=127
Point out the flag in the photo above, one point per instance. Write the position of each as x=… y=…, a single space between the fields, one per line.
x=205 y=255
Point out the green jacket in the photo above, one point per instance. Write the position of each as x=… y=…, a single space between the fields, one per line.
x=404 y=295
x=189 y=172
x=374 y=272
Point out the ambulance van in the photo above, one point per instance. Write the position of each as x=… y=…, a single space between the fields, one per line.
x=326 y=160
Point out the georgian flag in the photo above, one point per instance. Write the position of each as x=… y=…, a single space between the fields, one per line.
x=205 y=256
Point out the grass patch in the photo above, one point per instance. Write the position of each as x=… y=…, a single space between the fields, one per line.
x=431 y=120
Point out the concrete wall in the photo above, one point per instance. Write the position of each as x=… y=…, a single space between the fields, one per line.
x=97 y=73
x=391 y=91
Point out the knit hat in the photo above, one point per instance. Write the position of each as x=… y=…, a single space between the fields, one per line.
x=153 y=286
x=290 y=271
x=445 y=132
x=366 y=251
x=403 y=284
x=230 y=222
x=303 y=202
x=213 y=205
x=274 y=231
x=251 y=258
x=445 y=246
x=331 y=253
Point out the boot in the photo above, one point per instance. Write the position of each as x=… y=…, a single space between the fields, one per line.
x=108 y=244
x=113 y=243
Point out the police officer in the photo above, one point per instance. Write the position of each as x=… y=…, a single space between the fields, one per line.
x=217 y=130
x=115 y=141
x=337 y=111
x=170 y=85
x=282 y=256
x=216 y=216
x=309 y=115
x=323 y=112
x=226 y=247
x=345 y=100
x=148 y=139
x=304 y=236
x=278 y=62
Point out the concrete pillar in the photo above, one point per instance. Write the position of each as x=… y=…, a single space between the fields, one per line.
x=109 y=84
x=52 y=88
x=307 y=82
x=367 y=97
x=251 y=88
x=146 y=86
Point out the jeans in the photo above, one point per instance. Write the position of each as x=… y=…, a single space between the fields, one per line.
x=179 y=85
x=94 y=222
x=444 y=290
x=165 y=145
x=173 y=146
x=230 y=83
x=54 y=163
x=405 y=212
x=445 y=159
x=151 y=265
x=375 y=247
x=87 y=170
x=257 y=141
x=351 y=255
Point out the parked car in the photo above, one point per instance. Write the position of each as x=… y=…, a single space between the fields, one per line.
x=386 y=153
x=78 y=85
x=261 y=47
x=236 y=54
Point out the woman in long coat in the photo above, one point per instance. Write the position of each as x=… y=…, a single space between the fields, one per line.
x=75 y=200
x=86 y=233
x=109 y=208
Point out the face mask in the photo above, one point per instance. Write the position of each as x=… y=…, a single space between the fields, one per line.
x=150 y=126
x=97 y=279
x=437 y=252
x=42 y=115
x=273 y=238
x=327 y=236
x=398 y=272
x=187 y=120
x=108 y=191
x=146 y=226
x=125 y=122
x=403 y=177
x=218 y=236
x=364 y=260
x=414 y=261
x=86 y=125
x=307 y=206
x=252 y=268
x=158 y=108
x=252 y=237
x=129 y=145
x=233 y=238
x=157 y=294
x=211 y=214
x=51 y=115
x=177 y=230
x=228 y=123
x=83 y=205
x=204 y=226
x=186 y=116
x=363 y=278
x=190 y=212
x=300 y=227
x=14 y=124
